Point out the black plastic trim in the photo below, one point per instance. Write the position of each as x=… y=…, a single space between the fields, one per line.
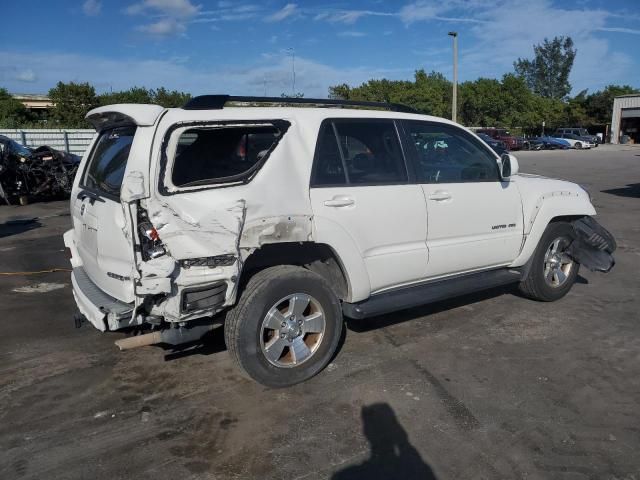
x=217 y=102
x=429 y=292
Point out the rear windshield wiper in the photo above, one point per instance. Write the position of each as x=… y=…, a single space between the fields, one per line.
x=92 y=195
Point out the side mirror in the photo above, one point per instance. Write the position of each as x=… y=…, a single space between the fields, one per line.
x=508 y=166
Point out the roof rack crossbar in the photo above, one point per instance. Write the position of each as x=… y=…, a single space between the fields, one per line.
x=217 y=102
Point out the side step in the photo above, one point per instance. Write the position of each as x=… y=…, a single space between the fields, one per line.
x=429 y=292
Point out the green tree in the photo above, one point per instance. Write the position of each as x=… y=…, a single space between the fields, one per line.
x=169 y=99
x=133 y=95
x=547 y=74
x=72 y=102
x=13 y=113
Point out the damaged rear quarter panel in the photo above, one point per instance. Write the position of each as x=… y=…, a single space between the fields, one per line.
x=227 y=220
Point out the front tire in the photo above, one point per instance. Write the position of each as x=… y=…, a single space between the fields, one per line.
x=553 y=272
x=578 y=145
x=285 y=327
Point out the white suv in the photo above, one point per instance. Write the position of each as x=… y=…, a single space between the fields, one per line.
x=279 y=220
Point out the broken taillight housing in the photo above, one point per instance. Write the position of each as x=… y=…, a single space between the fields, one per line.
x=151 y=245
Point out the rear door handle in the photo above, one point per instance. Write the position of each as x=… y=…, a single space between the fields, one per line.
x=440 y=196
x=339 y=201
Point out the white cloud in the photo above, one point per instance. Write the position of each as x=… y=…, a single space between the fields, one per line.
x=350 y=16
x=173 y=8
x=92 y=8
x=173 y=14
x=287 y=11
x=26 y=76
x=163 y=28
x=619 y=30
x=352 y=33
x=312 y=78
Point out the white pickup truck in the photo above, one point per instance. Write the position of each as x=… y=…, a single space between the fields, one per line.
x=279 y=220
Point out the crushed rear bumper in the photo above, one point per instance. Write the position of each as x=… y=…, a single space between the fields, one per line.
x=102 y=310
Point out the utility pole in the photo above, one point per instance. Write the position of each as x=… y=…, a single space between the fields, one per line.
x=293 y=71
x=454 y=99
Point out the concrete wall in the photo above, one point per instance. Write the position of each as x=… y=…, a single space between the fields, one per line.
x=631 y=101
x=73 y=141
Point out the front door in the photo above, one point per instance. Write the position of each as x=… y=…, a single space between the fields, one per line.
x=474 y=219
x=360 y=190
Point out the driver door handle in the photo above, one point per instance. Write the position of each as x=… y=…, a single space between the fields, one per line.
x=440 y=196
x=339 y=201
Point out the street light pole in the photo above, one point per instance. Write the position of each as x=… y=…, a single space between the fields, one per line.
x=454 y=99
x=293 y=71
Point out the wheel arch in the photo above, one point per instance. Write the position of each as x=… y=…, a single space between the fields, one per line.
x=555 y=207
x=319 y=258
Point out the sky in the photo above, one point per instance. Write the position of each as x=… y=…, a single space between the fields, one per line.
x=251 y=48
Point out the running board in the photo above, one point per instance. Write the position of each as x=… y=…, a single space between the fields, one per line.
x=429 y=292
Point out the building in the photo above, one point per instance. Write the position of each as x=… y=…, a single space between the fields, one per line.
x=625 y=119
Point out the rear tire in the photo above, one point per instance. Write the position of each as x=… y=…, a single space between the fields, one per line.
x=24 y=200
x=552 y=272
x=285 y=327
x=578 y=145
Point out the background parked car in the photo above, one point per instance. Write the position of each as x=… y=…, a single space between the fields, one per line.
x=551 y=143
x=497 y=146
x=580 y=132
x=575 y=141
x=502 y=134
x=578 y=141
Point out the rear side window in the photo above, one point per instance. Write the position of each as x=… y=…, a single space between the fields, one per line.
x=221 y=154
x=359 y=152
x=105 y=169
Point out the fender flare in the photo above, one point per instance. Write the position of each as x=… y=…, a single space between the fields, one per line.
x=549 y=207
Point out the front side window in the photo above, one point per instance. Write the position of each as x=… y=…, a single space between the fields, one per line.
x=106 y=167
x=446 y=154
x=222 y=154
x=359 y=152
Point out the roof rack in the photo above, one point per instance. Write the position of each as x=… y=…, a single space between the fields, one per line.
x=217 y=102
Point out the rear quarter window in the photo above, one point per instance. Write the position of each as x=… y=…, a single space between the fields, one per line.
x=219 y=154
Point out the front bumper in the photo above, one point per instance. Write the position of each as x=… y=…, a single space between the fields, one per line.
x=593 y=246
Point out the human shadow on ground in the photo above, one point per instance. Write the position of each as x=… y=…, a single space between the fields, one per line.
x=392 y=456
x=632 y=190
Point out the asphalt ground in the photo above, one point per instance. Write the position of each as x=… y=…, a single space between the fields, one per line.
x=485 y=386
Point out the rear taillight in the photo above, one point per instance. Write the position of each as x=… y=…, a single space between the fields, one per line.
x=150 y=243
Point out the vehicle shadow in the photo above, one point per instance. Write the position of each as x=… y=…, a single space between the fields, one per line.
x=392 y=456
x=211 y=343
x=632 y=190
x=15 y=227
x=374 y=323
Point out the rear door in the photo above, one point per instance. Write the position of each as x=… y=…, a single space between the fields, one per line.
x=102 y=226
x=360 y=185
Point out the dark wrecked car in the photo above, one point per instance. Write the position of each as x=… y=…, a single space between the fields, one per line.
x=25 y=173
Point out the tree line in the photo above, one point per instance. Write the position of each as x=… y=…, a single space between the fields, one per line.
x=536 y=91
x=72 y=102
